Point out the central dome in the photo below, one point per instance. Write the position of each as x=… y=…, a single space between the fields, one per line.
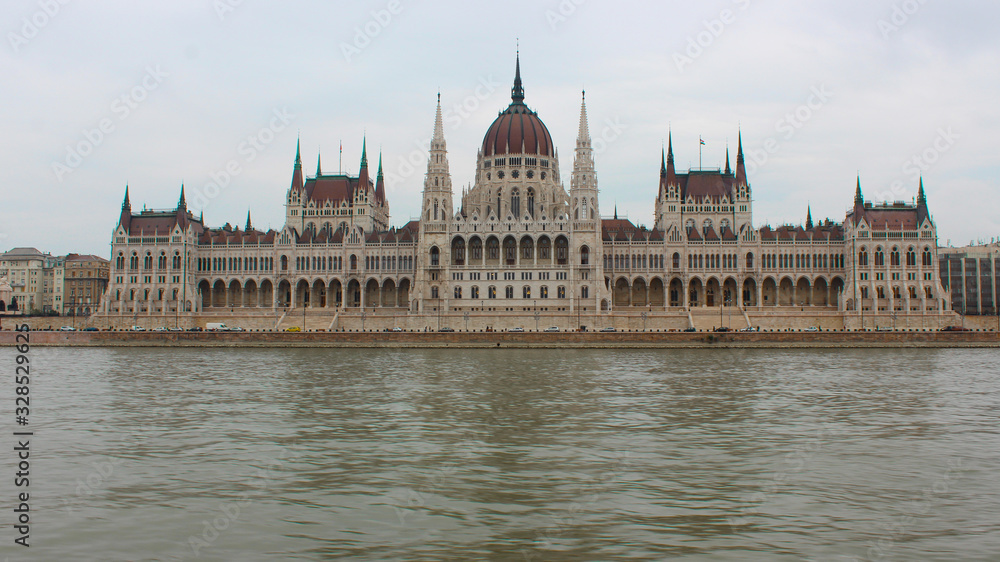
x=518 y=130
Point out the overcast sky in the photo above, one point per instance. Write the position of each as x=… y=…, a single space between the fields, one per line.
x=823 y=91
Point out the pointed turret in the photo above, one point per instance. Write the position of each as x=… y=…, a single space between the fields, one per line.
x=319 y=165
x=858 y=198
x=922 y=212
x=126 y=217
x=809 y=218
x=181 y=215
x=297 y=169
x=363 y=177
x=728 y=169
x=671 y=172
x=741 y=169
x=249 y=227
x=583 y=184
x=380 y=183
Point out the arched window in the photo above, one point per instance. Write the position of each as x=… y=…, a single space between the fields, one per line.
x=458 y=292
x=531 y=202
x=863 y=257
x=879 y=257
x=928 y=258
x=435 y=257
x=584 y=255
x=354 y=261
x=894 y=257
x=176 y=262
x=677 y=260
x=161 y=262
x=749 y=260
x=515 y=204
x=284 y=263
x=911 y=257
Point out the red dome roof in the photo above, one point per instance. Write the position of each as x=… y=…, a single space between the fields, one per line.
x=518 y=130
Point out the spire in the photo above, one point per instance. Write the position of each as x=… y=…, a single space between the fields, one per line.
x=663 y=162
x=809 y=218
x=921 y=202
x=858 y=198
x=583 y=136
x=741 y=170
x=364 y=152
x=616 y=211
x=728 y=169
x=126 y=217
x=182 y=202
x=319 y=166
x=438 y=123
x=671 y=173
x=517 y=92
x=249 y=225
x=297 y=168
x=379 y=182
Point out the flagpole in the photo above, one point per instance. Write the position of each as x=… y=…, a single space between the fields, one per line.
x=701 y=143
x=340 y=163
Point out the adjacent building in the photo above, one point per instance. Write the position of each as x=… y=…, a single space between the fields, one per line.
x=972 y=275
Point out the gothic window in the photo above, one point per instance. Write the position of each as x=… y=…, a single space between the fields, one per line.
x=562 y=250
x=677 y=260
x=491 y=292
x=492 y=249
x=435 y=257
x=526 y=292
x=584 y=292
x=435 y=209
x=911 y=257
x=176 y=261
x=475 y=292
x=531 y=202
x=927 y=258
x=879 y=257
x=458 y=292
x=894 y=257
x=749 y=260
x=584 y=256
x=515 y=204
x=434 y=292
x=458 y=251
x=863 y=257
x=509 y=292
x=561 y=292
x=527 y=248
x=476 y=249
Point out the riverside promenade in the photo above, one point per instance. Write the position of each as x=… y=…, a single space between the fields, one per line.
x=830 y=339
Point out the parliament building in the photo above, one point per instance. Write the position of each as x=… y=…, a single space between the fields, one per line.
x=520 y=250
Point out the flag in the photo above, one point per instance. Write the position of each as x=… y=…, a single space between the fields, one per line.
x=701 y=141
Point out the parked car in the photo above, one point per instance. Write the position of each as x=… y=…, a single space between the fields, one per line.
x=518 y=329
x=397 y=329
x=137 y=329
x=447 y=330
x=160 y=329
x=955 y=329
x=690 y=329
x=552 y=329
x=67 y=329
x=91 y=329
x=609 y=329
x=811 y=329
x=723 y=329
x=293 y=329
x=176 y=330
x=750 y=329
x=196 y=329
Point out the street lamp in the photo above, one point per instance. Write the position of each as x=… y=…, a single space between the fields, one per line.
x=644 y=314
x=466 y=315
x=534 y=305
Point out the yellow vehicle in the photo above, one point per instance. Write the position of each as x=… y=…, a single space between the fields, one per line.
x=293 y=329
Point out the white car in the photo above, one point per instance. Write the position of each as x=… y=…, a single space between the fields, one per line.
x=516 y=330
x=812 y=329
x=67 y=329
x=552 y=329
x=160 y=329
x=137 y=329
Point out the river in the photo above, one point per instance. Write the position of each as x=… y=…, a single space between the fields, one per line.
x=313 y=454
